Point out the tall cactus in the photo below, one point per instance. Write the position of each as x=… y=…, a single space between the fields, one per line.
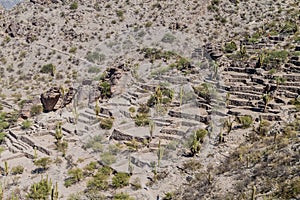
x=253 y=193
x=130 y=166
x=58 y=132
x=151 y=129
x=35 y=154
x=261 y=60
x=181 y=95
x=1 y=192
x=54 y=192
x=158 y=95
x=159 y=153
x=97 y=108
x=6 y=169
x=266 y=98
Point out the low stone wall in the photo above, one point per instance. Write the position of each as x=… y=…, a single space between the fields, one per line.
x=120 y=136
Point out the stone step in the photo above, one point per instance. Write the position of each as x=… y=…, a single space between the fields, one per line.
x=247 y=96
x=291 y=83
x=291 y=77
x=218 y=113
x=271 y=117
x=289 y=67
x=188 y=123
x=15 y=141
x=161 y=123
x=154 y=145
x=236 y=80
x=127 y=97
x=204 y=105
x=240 y=102
x=293 y=89
x=295 y=62
x=258 y=80
x=83 y=120
x=32 y=144
x=248 y=89
x=88 y=116
x=237 y=75
x=10 y=146
x=131 y=99
x=179 y=114
x=172 y=131
x=168 y=137
x=240 y=70
x=138 y=95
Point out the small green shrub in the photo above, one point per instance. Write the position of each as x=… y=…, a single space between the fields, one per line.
x=122 y=196
x=290 y=27
x=106 y=123
x=120 y=13
x=95 y=143
x=120 y=180
x=26 y=124
x=75 y=175
x=246 y=121
x=263 y=128
x=148 y=24
x=142 y=119
x=230 y=47
x=94 y=57
x=74 y=6
x=272 y=71
x=105 y=89
x=73 y=50
x=43 y=162
x=200 y=134
x=48 y=69
x=17 y=170
x=40 y=190
x=108 y=158
x=132 y=109
x=204 y=90
x=90 y=168
x=2 y=137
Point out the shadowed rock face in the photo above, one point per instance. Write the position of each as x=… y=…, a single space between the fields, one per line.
x=53 y=99
x=50 y=98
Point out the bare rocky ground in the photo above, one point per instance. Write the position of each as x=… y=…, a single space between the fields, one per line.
x=179 y=99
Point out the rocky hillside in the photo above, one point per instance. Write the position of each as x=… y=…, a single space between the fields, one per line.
x=150 y=100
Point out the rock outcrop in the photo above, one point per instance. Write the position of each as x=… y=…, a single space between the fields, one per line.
x=53 y=99
x=50 y=98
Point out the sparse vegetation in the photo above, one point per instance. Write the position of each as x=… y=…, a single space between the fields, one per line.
x=106 y=123
x=120 y=180
x=74 y=6
x=43 y=163
x=230 y=47
x=17 y=170
x=48 y=69
x=26 y=124
x=40 y=190
x=212 y=96
x=246 y=121
x=36 y=109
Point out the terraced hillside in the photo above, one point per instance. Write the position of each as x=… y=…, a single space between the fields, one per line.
x=150 y=100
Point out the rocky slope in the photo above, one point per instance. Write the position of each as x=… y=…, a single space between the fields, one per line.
x=190 y=99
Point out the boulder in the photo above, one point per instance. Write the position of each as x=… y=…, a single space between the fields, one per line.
x=12 y=30
x=50 y=98
x=53 y=99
